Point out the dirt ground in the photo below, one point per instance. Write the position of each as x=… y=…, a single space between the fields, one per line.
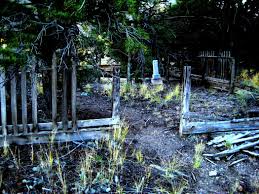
x=154 y=130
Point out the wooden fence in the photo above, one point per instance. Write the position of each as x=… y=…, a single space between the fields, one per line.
x=187 y=127
x=62 y=131
x=216 y=68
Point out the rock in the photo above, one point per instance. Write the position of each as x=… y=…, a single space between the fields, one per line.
x=240 y=188
x=11 y=166
x=35 y=169
x=84 y=94
x=213 y=173
x=108 y=190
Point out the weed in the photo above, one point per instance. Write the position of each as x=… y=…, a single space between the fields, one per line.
x=175 y=93
x=243 y=96
x=199 y=148
x=228 y=144
x=139 y=185
x=139 y=156
x=88 y=88
x=60 y=175
x=144 y=91
x=107 y=89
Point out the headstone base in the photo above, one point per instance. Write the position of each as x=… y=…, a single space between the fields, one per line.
x=157 y=81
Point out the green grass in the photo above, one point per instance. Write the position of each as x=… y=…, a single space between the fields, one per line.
x=199 y=148
x=154 y=94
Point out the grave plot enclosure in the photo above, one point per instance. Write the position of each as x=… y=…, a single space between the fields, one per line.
x=19 y=92
x=187 y=127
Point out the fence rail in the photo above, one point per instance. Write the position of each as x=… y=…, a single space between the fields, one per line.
x=14 y=132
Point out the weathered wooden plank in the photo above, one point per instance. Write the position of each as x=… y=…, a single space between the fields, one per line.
x=14 y=104
x=185 y=97
x=233 y=73
x=34 y=95
x=3 y=102
x=64 y=101
x=44 y=137
x=24 y=100
x=54 y=90
x=80 y=124
x=116 y=92
x=222 y=126
x=240 y=140
x=73 y=95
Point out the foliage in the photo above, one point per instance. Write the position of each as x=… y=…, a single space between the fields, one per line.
x=244 y=96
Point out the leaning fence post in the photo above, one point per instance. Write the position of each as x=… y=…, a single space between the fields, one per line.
x=3 y=102
x=116 y=92
x=186 y=92
x=14 y=104
x=34 y=96
x=233 y=72
x=54 y=90
x=73 y=95
x=24 y=100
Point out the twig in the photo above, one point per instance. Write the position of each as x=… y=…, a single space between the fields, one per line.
x=210 y=161
x=72 y=150
x=251 y=153
x=237 y=161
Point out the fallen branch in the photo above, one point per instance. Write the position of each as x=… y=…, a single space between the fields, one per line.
x=234 y=150
x=168 y=173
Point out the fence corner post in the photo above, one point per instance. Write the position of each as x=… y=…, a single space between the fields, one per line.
x=186 y=93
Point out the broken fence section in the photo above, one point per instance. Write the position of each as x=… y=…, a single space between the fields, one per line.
x=186 y=127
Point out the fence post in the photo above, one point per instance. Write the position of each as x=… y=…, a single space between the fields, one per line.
x=73 y=95
x=186 y=92
x=116 y=92
x=3 y=102
x=54 y=90
x=64 y=101
x=233 y=73
x=14 y=104
x=24 y=100
x=34 y=95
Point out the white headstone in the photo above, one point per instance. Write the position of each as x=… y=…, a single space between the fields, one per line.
x=156 y=78
x=156 y=74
